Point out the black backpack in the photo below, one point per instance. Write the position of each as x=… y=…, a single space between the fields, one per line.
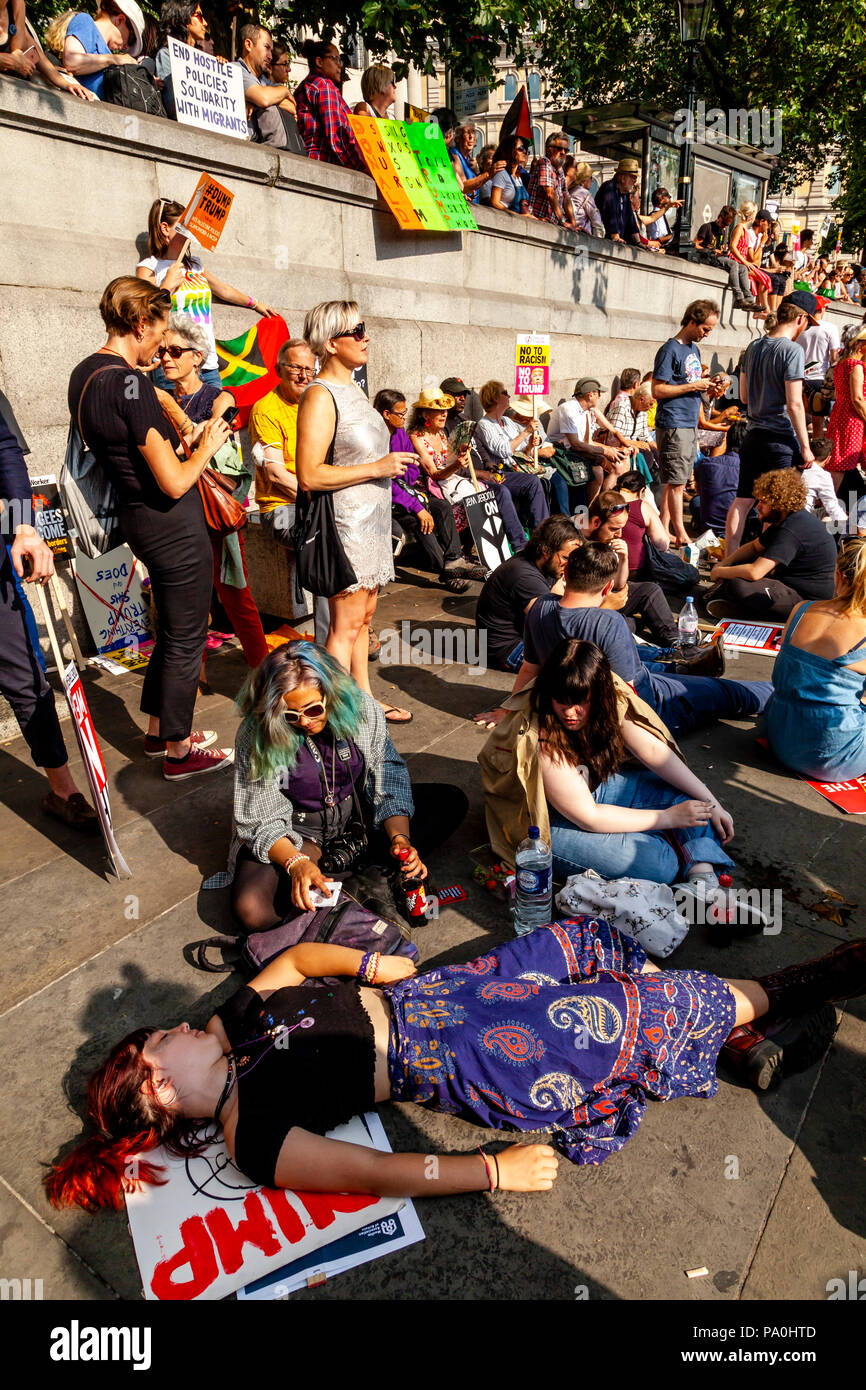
x=132 y=86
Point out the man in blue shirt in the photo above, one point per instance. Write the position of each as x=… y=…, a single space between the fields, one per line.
x=678 y=384
x=613 y=201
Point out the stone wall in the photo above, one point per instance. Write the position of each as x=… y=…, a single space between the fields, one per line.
x=78 y=181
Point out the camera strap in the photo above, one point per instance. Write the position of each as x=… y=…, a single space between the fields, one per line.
x=331 y=818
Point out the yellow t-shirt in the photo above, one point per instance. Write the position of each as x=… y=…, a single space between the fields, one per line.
x=273 y=422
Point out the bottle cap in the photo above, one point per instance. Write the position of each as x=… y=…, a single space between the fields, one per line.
x=725 y=880
x=534 y=832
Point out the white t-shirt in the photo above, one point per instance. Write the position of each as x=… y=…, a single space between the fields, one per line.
x=817 y=343
x=660 y=228
x=571 y=418
x=192 y=296
x=821 y=495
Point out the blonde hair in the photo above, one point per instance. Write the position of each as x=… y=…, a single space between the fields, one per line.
x=375 y=79
x=55 y=34
x=325 y=321
x=490 y=393
x=580 y=171
x=746 y=211
x=851 y=567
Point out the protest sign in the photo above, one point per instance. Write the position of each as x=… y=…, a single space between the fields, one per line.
x=49 y=517
x=207 y=93
x=488 y=533
x=532 y=377
x=428 y=146
x=207 y=212
x=415 y=113
x=848 y=796
x=208 y=1230
x=381 y=166
x=396 y=140
x=111 y=596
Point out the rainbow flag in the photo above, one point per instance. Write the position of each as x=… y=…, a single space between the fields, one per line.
x=247 y=364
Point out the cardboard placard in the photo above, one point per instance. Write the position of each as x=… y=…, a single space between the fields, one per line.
x=49 y=517
x=209 y=1230
x=207 y=211
x=748 y=636
x=93 y=764
x=488 y=532
x=381 y=166
x=396 y=139
x=207 y=93
x=111 y=596
x=428 y=146
x=532 y=376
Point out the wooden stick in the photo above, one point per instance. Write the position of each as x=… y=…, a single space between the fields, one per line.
x=472 y=475
x=67 y=623
x=52 y=635
x=183 y=251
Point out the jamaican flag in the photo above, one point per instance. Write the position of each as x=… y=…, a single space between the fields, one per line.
x=247 y=364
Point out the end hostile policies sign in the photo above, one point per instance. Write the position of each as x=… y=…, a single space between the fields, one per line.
x=207 y=93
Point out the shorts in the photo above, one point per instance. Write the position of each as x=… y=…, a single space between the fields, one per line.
x=678 y=449
x=762 y=452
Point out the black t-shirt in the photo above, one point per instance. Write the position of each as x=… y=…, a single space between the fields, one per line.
x=119 y=407
x=711 y=236
x=805 y=554
x=502 y=605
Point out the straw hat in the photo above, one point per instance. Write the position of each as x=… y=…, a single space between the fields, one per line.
x=628 y=166
x=527 y=406
x=433 y=399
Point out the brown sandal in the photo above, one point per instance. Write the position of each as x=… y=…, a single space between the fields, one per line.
x=76 y=811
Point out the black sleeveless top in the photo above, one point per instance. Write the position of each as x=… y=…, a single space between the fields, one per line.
x=312 y=1061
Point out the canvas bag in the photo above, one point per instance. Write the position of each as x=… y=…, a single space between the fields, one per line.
x=346 y=924
x=89 y=495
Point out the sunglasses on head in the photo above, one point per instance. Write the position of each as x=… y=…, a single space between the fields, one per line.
x=174 y=352
x=314 y=711
x=359 y=333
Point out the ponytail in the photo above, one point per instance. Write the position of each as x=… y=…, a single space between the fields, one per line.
x=163 y=210
x=129 y=1120
x=851 y=566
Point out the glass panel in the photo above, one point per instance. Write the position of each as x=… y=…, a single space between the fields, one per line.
x=534 y=87
x=510 y=87
x=664 y=170
x=745 y=189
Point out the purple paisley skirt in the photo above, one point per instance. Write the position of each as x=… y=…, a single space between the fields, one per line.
x=558 y=1031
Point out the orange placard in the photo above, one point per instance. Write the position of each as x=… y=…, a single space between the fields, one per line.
x=207 y=212
x=381 y=166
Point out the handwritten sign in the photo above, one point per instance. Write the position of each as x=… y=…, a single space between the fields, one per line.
x=207 y=211
x=428 y=146
x=532 y=377
x=209 y=1230
x=396 y=140
x=419 y=188
x=111 y=596
x=207 y=93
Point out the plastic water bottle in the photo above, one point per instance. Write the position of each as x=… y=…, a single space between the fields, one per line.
x=687 y=624
x=533 y=890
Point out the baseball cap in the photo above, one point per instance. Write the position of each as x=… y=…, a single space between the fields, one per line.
x=803 y=300
x=455 y=386
x=587 y=383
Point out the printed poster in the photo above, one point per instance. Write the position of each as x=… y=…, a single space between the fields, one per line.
x=532 y=377
x=49 y=517
x=207 y=211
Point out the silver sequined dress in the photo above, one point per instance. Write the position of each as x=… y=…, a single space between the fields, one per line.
x=363 y=511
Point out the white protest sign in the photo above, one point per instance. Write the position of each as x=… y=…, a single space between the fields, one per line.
x=110 y=592
x=209 y=1230
x=207 y=93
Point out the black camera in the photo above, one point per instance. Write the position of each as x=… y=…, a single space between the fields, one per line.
x=344 y=853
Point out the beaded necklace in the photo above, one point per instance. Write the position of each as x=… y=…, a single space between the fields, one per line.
x=237 y=1064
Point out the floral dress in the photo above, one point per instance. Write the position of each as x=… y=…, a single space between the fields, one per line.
x=558 y=1031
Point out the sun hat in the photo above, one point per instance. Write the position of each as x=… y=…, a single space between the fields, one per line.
x=628 y=166
x=526 y=406
x=136 y=22
x=431 y=399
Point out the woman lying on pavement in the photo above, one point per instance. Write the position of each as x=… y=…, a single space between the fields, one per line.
x=568 y=1029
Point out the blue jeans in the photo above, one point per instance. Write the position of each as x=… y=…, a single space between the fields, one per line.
x=527 y=486
x=690 y=702
x=660 y=856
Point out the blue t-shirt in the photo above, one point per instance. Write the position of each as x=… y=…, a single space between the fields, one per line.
x=82 y=28
x=676 y=363
x=547 y=623
x=717 y=480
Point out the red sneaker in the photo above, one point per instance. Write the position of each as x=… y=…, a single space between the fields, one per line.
x=199 y=738
x=198 y=760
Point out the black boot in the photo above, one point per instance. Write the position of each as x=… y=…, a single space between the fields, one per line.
x=800 y=988
x=761 y=1053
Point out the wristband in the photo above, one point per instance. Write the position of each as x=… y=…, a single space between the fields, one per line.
x=487 y=1169
x=294 y=859
x=369 y=967
x=251 y=304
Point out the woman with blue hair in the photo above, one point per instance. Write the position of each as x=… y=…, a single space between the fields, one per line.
x=320 y=789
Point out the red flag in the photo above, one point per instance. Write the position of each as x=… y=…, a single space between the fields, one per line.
x=248 y=364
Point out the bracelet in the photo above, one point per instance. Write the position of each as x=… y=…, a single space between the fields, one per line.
x=487 y=1169
x=251 y=303
x=294 y=859
x=400 y=836
x=369 y=967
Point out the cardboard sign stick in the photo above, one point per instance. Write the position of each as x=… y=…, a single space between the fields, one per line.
x=183 y=251
x=70 y=630
x=100 y=795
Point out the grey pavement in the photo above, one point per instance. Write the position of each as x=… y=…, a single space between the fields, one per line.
x=766 y=1191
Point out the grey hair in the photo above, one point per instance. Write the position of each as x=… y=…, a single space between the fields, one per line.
x=287 y=347
x=326 y=320
x=375 y=79
x=185 y=326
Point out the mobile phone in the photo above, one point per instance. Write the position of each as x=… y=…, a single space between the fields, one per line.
x=230 y=415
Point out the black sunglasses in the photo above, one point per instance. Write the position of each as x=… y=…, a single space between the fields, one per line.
x=359 y=333
x=174 y=352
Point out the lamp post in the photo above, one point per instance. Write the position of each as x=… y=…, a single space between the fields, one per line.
x=694 y=19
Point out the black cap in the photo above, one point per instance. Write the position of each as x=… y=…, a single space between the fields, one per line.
x=454 y=386
x=765 y=214
x=804 y=301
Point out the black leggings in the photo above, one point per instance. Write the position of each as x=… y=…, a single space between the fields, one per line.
x=261 y=894
x=175 y=545
x=442 y=544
